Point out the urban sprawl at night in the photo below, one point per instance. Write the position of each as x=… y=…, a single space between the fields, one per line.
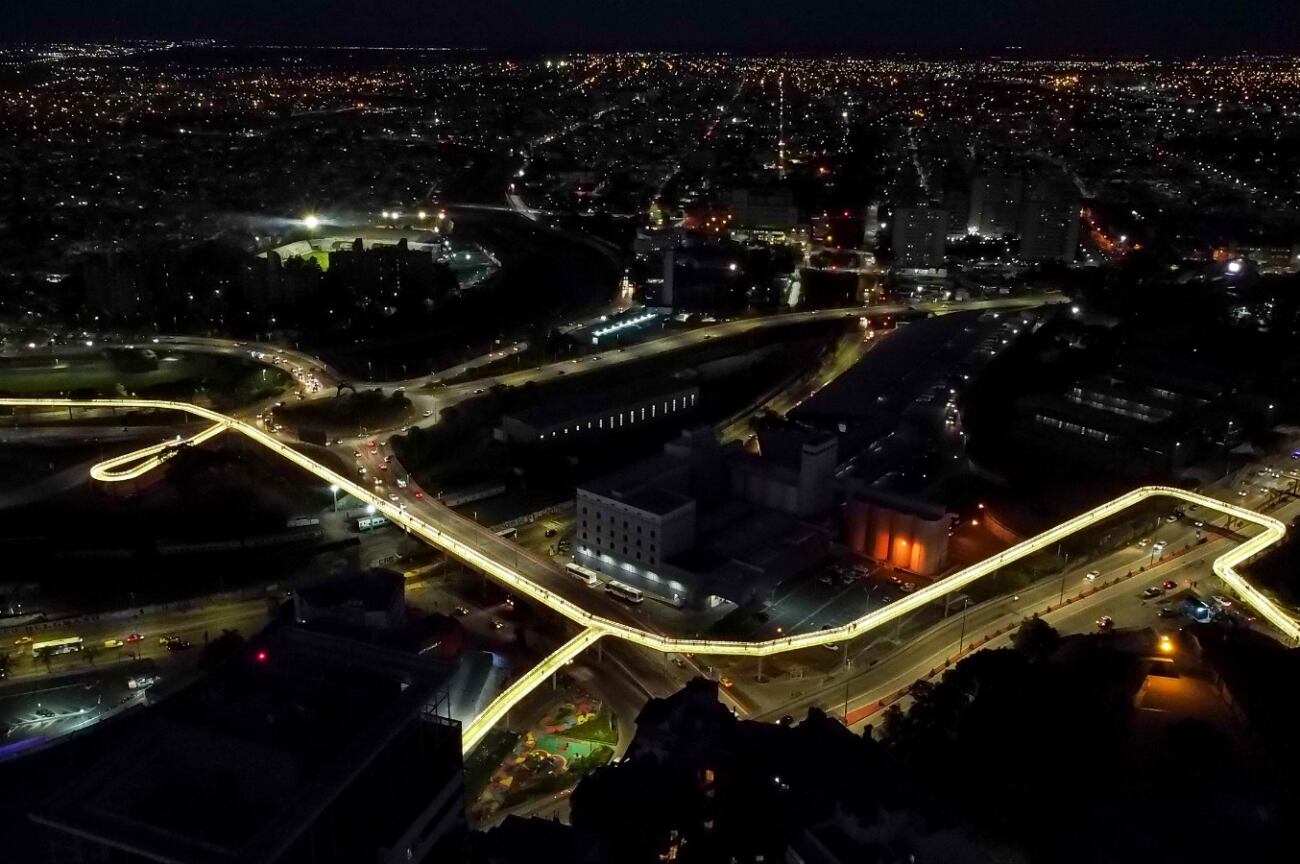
x=442 y=450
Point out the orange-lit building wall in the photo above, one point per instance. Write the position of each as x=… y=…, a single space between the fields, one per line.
x=907 y=541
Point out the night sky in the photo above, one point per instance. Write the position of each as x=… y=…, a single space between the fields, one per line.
x=1042 y=27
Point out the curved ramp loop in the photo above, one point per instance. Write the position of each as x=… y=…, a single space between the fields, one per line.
x=140 y=462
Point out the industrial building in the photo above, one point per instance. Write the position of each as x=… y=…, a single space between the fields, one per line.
x=601 y=415
x=301 y=748
x=906 y=534
x=703 y=523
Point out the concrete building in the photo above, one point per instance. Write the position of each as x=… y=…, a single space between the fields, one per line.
x=795 y=473
x=906 y=534
x=702 y=523
x=701 y=278
x=639 y=516
x=301 y=748
x=371 y=601
x=919 y=236
x=765 y=214
x=1049 y=220
x=995 y=203
x=598 y=415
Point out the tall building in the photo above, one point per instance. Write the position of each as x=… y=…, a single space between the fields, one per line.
x=1049 y=221
x=301 y=748
x=771 y=209
x=995 y=202
x=919 y=235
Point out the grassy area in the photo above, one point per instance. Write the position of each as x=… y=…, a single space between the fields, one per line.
x=322 y=259
x=219 y=380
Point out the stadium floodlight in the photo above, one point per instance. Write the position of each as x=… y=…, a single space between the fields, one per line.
x=311 y=221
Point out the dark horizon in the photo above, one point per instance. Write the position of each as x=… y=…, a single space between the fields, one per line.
x=927 y=28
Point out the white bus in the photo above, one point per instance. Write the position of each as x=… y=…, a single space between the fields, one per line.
x=508 y=533
x=55 y=647
x=624 y=592
x=577 y=571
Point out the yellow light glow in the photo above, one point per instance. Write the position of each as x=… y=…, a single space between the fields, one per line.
x=480 y=548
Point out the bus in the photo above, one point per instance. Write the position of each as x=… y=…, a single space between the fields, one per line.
x=577 y=571
x=55 y=647
x=624 y=592
x=508 y=533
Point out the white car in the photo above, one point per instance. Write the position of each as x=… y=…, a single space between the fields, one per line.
x=1092 y=575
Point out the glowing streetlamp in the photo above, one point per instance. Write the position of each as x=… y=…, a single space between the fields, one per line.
x=311 y=221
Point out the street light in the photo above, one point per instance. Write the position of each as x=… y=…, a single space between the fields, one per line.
x=334 y=490
x=312 y=222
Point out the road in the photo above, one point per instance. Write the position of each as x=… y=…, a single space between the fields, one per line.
x=247 y=617
x=852 y=693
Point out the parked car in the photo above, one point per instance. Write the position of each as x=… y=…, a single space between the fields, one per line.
x=1153 y=591
x=1105 y=623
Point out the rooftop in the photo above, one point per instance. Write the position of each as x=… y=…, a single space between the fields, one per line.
x=236 y=767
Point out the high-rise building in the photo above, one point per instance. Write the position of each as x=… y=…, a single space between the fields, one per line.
x=919 y=235
x=1049 y=221
x=995 y=202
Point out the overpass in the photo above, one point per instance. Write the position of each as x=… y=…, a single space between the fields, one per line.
x=479 y=547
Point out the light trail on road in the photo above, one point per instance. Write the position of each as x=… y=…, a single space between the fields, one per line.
x=501 y=560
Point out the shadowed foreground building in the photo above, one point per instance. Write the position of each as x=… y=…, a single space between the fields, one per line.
x=700 y=785
x=301 y=748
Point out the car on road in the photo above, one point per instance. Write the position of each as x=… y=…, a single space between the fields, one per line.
x=460 y=610
x=1092 y=575
x=179 y=645
x=826 y=579
x=1171 y=518
x=428 y=413
x=23 y=640
x=1144 y=542
x=113 y=643
x=497 y=624
x=1153 y=591
x=1198 y=524
x=383 y=466
x=168 y=639
x=392 y=496
x=1105 y=623
x=726 y=682
x=134 y=637
x=1169 y=584
x=419 y=494
x=1167 y=612
x=550 y=532
x=1160 y=545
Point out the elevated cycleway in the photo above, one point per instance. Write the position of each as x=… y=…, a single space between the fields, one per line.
x=479 y=547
